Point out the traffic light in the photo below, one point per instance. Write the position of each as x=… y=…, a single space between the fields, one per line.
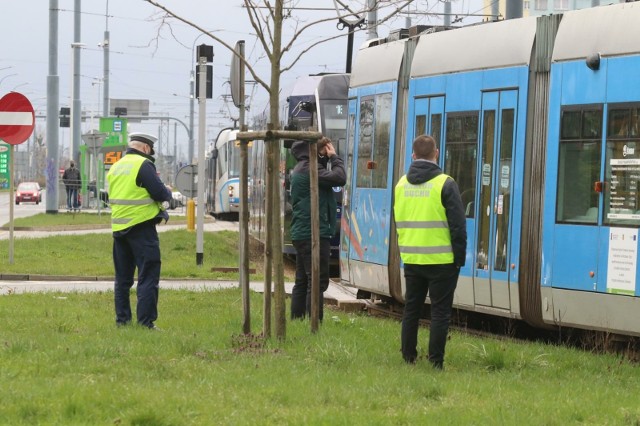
x=64 y=116
x=205 y=51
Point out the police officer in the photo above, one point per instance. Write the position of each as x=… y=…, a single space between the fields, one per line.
x=432 y=239
x=138 y=199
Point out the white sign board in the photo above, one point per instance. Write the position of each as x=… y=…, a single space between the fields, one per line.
x=622 y=262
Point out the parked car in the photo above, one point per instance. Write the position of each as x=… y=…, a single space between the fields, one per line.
x=28 y=192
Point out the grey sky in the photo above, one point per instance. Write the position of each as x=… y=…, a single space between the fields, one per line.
x=150 y=61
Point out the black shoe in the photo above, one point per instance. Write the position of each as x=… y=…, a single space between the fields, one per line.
x=437 y=366
x=410 y=360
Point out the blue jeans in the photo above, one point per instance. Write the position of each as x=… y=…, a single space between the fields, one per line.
x=440 y=282
x=301 y=293
x=72 y=198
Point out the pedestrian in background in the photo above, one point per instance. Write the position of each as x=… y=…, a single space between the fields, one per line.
x=72 y=182
x=432 y=239
x=138 y=200
x=328 y=178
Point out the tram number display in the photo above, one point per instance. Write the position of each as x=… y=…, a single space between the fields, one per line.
x=111 y=157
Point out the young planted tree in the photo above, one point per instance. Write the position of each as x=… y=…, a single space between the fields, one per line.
x=268 y=20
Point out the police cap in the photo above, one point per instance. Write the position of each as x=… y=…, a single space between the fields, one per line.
x=145 y=138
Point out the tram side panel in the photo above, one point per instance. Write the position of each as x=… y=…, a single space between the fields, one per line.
x=592 y=212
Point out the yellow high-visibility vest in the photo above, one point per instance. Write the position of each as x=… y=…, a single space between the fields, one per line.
x=130 y=204
x=421 y=222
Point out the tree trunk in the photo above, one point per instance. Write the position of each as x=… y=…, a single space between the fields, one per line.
x=280 y=314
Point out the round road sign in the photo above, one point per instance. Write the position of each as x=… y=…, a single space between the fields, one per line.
x=16 y=118
x=186 y=180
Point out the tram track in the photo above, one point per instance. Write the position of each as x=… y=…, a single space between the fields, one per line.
x=485 y=326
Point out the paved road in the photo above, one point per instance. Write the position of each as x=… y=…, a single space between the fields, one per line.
x=22 y=210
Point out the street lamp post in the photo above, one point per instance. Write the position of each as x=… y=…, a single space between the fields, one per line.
x=76 y=111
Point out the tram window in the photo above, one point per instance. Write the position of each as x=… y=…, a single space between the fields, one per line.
x=461 y=152
x=436 y=127
x=374 y=140
x=579 y=165
x=421 y=125
x=622 y=167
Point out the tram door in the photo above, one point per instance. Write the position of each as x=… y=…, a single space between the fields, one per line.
x=346 y=235
x=493 y=253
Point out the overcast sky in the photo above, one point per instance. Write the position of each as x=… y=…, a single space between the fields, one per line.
x=152 y=61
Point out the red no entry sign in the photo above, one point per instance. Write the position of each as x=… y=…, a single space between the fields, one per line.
x=16 y=118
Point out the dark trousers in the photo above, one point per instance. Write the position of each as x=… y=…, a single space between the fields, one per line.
x=440 y=282
x=137 y=247
x=301 y=293
x=72 y=198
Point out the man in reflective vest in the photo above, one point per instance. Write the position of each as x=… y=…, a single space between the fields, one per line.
x=432 y=240
x=138 y=200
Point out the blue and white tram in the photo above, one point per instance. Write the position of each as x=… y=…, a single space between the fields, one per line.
x=223 y=176
x=537 y=121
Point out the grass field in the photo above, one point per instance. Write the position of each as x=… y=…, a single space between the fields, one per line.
x=63 y=362
x=90 y=255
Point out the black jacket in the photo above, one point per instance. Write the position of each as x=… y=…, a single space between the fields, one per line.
x=71 y=178
x=421 y=171
x=300 y=193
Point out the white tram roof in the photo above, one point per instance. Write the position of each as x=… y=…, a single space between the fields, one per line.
x=492 y=45
x=305 y=85
x=377 y=64
x=609 y=30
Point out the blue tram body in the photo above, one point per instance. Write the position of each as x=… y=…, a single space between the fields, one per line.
x=538 y=121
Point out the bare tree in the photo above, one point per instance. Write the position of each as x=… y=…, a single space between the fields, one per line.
x=267 y=20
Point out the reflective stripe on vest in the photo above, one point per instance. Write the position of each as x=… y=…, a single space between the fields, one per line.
x=421 y=222
x=130 y=204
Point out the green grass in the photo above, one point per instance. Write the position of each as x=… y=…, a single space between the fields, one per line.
x=44 y=220
x=63 y=361
x=62 y=219
x=90 y=255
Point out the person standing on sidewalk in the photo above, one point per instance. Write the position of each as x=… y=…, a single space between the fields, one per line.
x=138 y=200
x=432 y=238
x=72 y=182
x=328 y=178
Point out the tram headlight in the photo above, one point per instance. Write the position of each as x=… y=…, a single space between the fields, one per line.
x=230 y=191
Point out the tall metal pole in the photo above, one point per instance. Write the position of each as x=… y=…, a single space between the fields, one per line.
x=76 y=110
x=202 y=113
x=105 y=73
x=53 y=92
x=192 y=95
x=174 y=169
x=447 y=13
x=372 y=19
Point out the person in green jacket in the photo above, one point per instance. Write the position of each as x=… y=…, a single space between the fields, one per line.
x=331 y=174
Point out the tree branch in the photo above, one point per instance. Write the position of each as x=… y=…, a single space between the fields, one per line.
x=219 y=40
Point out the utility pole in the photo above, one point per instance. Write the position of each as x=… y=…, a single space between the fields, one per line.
x=76 y=108
x=53 y=95
x=105 y=74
